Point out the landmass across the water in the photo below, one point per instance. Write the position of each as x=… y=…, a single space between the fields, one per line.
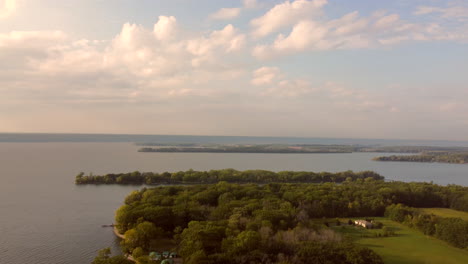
x=457 y=155
x=430 y=156
x=250 y=148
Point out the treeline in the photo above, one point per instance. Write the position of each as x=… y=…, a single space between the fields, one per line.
x=289 y=148
x=228 y=175
x=410 y=149
x=452 y=230
x=246 y=149
x=460 y=158
x=271 y=223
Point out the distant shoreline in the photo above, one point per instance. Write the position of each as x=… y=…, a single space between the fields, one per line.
x=140 y=138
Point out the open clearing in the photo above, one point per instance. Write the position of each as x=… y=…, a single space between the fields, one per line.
x=408 y=246
x=445 y=212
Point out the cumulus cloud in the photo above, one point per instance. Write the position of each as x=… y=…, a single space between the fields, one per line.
x=353 y=31
x=286 y=14
x=166 y=28
x=138 y=64
x=226 y=13
x=148 y=76
x=7 y=8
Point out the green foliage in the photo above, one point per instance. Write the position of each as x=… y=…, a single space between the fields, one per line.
x=271 y=223
x=398 y=212
x=137 y=252
x=443 y=157
x=141 y=236
x=267 y=148
x=337 y=253
x=407 y=246
x=228 y=175
x=445 y=212
x=104 y=257
x=451 y=230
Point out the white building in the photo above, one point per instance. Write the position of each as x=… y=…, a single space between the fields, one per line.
x=363 y=223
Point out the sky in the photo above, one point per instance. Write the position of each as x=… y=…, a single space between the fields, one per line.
x=300 y=68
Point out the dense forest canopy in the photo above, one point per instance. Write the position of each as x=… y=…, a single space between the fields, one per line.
x=269 y=223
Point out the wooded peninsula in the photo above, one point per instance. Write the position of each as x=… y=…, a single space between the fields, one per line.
x=288 y=223
x=226 y=175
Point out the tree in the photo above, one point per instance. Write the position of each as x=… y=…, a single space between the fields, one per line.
x=104 y=257
x=137 y=252
x=141 y=236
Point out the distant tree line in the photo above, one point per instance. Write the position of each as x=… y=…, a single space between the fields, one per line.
x=289 y=148
x=460 y=158
x=245 y=149
x=452 y=230
x=228 y=175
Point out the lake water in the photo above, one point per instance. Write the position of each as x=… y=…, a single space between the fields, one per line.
x=45 y=218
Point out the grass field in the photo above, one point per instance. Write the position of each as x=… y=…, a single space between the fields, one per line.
x=408 y=246
x=445 y=212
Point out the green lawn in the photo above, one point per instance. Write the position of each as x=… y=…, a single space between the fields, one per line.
x=445 y=212
x=407 y=247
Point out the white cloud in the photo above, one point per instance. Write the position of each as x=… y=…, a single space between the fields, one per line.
x=273 y=83
x=7 y=8
x=387 y=22
x=227 y=40
x=165 y=28
x=31 y=39
x=450 y=12
x=148 y=76
x=286 y=14
x=226 y=13
x=303 y=35
x=265 y=75
x=139 y=64
x=250 y=4
x=352 y=31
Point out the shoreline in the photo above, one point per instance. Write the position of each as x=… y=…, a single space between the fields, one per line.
x=117 y=233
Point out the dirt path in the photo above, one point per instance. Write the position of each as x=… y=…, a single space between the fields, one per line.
x=117 y=233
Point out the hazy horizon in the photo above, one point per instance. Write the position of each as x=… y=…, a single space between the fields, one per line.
x=25 y=137
x=300 y=68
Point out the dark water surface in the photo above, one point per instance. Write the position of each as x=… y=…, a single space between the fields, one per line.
x=45 y=218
